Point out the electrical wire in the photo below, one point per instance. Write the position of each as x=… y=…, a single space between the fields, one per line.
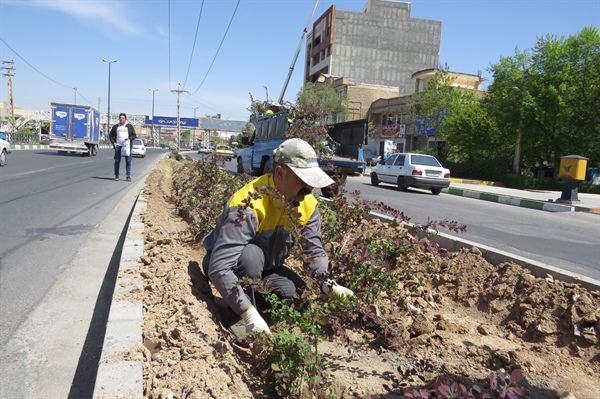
x=40 y=72
x=169 y=34
x=219 y=49
x=194 y=45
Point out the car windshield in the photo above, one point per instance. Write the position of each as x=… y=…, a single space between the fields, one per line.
x=223 y=148
x=424 y=160
x=137 y=142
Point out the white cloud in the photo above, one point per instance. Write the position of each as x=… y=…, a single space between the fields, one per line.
x=104 y=13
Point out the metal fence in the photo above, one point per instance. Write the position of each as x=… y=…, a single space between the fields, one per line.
x=22 y=138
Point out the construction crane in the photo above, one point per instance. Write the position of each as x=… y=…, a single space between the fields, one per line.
x=287 y=80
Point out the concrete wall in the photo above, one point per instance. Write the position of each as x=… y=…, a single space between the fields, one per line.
x=384 y=45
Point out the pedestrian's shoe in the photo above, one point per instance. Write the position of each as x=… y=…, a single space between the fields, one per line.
x=128 y=178
x=116 y=178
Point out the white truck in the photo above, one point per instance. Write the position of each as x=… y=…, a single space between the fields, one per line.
x=74 y=129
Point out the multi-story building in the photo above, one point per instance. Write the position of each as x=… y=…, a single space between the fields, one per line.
x=382 y=45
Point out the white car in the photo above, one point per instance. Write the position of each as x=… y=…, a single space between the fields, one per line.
x=412 y=170
x=4 y=149
x=204 y=150
x=138 y=148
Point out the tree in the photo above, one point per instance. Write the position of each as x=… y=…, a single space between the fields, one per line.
x=549 y=95
x=325 y=99
x=471 y=135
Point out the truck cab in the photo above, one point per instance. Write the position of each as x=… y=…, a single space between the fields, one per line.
x=271 y=130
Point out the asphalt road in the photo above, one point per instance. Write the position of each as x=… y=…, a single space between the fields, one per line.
x=62 y=218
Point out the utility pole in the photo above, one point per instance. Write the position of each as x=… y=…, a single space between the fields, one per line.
x=108 y=111
x=9 y=73
x=153 y=133
x=179 y=91
x=287 y=79
x=75 y=100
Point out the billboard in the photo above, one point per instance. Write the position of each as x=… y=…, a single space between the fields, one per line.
x=172 y=121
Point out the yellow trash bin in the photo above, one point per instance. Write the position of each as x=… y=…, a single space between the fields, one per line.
x=572 y=167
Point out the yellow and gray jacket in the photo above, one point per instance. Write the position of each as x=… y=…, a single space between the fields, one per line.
x=267 y=225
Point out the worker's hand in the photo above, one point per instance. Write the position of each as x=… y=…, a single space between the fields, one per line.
x=254 y=321
x=331 y=288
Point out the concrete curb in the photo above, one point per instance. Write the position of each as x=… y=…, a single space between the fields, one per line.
x=509 y=200
x=479 y=182
x=16 y=147
x=120 y=370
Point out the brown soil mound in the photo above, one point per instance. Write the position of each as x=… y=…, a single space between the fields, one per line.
x=471 y=318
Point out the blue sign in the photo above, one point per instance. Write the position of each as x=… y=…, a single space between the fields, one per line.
x=422 y=127
x=172 y=121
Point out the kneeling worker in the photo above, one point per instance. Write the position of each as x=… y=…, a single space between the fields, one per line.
x=258 y=244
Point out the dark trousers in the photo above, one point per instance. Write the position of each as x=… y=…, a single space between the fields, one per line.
x=118 y=161
x=283 y=281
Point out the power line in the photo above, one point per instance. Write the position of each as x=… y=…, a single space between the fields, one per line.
x=169 y=34
x=194 y=45
x=40 y=72
x=219 y=49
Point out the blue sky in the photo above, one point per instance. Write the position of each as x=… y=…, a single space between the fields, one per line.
x=58 y=45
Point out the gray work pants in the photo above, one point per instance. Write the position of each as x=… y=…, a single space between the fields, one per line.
x=283 y=281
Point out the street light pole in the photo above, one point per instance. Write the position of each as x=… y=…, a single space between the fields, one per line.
x=153 y=134
x=194 y=141
x=108 y=113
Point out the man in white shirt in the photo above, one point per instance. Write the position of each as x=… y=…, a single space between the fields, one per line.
x=121 y=136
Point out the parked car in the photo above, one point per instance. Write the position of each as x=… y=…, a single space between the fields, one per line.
x=412 y=170
x=224 y=151
x=195 y=147
x=204 y=150
x=374 y=160
x=4 y=149
x=138 y=148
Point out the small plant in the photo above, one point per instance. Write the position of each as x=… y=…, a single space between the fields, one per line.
x=288 y=359
x=501 y=387
x=505 y=386
x=202 y=189
x=292 y=358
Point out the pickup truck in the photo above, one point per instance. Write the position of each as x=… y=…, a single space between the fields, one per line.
x=270 y=131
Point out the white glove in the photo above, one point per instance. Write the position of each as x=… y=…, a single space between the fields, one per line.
x=331 y=288
x=254 y=321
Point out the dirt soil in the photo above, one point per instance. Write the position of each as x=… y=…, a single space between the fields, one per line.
x=472 y=319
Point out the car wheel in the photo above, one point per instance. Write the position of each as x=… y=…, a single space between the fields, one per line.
x=374 y=179
x=240 y=166
x=3 y=158
x=267 y=167
x=401 y=184
x=436 y=191
x=329 y=192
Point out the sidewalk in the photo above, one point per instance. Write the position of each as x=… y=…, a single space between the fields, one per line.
x=534 y=199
